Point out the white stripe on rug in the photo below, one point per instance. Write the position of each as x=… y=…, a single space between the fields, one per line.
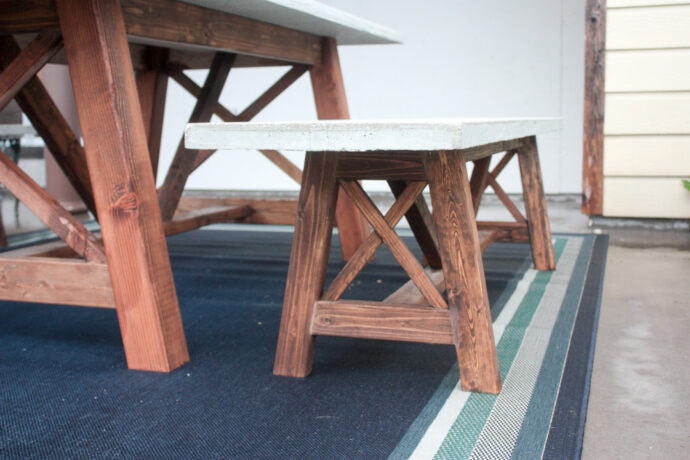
x=438 y=429
x=502 y=428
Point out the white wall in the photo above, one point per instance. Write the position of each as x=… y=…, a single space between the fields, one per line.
x=459 y=58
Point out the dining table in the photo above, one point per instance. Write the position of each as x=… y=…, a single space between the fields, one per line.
x=121 y=55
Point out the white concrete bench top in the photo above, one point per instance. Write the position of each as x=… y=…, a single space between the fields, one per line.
x=364 y=135
x=308 y=16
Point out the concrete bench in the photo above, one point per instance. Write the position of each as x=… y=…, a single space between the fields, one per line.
x=445 y=302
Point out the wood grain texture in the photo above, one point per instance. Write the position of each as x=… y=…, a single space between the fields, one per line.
x=28 y=16
x=365 y=252
x=50 y=212
x=49 y=123
x=191 y=220
x=152 y=85
x=55 y=281
x=535 y=207
x=120 y=168
x=308 y=264
x=182 y=163
x=172 y=22
x=409 y=294
x=593 y=148
x=407 y=166
x=397 y=247
x=421 y=223
x=463 y=269
x=331 y=104
x=25 y=66
x=382 y=321
x=264 y=211
x=479 y=181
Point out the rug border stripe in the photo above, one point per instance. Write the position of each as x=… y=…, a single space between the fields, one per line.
x=530 y=369
x=448 y=396
x=539 y=416
x=588 y=271
x=577 y=375
x=528 y=305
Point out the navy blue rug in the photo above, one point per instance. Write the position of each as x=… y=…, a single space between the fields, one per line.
x=65 y=391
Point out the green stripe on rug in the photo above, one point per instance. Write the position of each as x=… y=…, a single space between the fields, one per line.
x=503 y=424
x=445 y=397
x=537 y=420
x=474 y=418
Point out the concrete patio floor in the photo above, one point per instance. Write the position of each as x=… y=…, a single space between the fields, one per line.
x=638 y=405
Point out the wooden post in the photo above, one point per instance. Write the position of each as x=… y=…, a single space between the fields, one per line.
x=152 y=84
x=120 y=170
x=331 y=104
x=308 y=264
x=593 y=149
x=463 y=271
x=535 y=206
x=183 y=162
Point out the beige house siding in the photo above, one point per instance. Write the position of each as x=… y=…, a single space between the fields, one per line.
x=647 y=120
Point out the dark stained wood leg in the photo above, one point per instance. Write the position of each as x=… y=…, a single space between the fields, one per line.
x=331 y=104
x=535 y=206
x=3 y=233
x=479 y=181
x=183 y=162
x=422 y=225
x=120 y=169
x=595 y=99
x=308 y=263
x=463 y=271
x=152 y=85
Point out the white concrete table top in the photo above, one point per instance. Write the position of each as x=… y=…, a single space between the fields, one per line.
x=364 y=135
x=308 y=16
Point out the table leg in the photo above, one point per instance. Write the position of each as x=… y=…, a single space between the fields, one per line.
x=124 y=190
x=308 y=263
x=463 y=272
x=331 y=104
x=535 y=206
x=152 y=84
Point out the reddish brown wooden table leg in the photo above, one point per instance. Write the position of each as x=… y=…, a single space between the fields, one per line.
x=463 y=270
x=124 y=190
x=331 y=104
x=535 y=207
x=308 y=263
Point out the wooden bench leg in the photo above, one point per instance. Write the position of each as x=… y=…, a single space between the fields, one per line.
x=308 y=263
x=535 y=206
x=463 y=270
